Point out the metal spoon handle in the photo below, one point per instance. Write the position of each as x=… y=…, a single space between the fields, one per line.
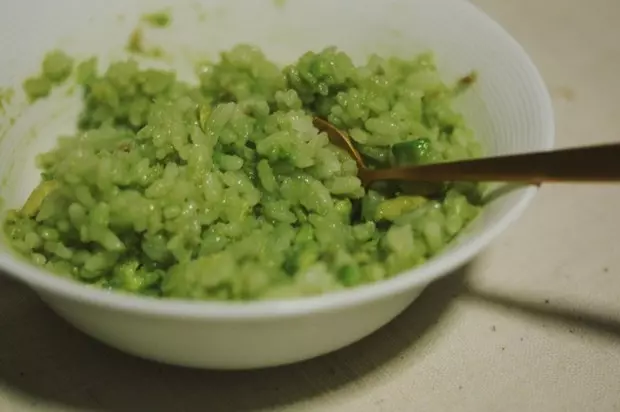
x=588 y=164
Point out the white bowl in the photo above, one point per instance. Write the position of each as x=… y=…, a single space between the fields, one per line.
x=510 y=110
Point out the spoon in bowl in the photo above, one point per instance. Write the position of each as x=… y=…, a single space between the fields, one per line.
x=583 y=164
x=599 y=163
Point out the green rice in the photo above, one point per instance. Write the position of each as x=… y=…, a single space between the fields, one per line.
x=158 y=19
x=55 y=69
x=226 y=191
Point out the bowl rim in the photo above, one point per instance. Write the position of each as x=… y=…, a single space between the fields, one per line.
x=442 y=265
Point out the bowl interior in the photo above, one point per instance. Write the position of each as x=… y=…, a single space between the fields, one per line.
x=509 y=108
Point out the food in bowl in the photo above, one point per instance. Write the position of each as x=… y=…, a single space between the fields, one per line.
x=224 y=189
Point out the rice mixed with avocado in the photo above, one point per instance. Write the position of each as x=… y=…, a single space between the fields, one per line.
x=224 y=190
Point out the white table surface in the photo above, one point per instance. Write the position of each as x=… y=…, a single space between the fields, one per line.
x=532 y=325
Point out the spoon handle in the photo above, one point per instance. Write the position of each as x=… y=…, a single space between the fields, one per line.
x=587 y=164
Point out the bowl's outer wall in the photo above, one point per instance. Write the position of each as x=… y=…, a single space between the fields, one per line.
x=509 y=109
x=226 y=344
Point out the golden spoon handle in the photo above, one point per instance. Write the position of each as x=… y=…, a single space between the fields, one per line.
x=588 y=164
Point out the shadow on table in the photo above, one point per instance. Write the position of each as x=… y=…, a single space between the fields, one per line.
x=546 y=310
x=47 y=360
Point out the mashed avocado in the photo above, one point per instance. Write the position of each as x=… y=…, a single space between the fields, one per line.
x=225 y=190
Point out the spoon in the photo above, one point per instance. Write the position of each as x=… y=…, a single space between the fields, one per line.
x=582 y=164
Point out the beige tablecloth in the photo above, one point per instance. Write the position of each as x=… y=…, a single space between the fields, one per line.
x=532 y=325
